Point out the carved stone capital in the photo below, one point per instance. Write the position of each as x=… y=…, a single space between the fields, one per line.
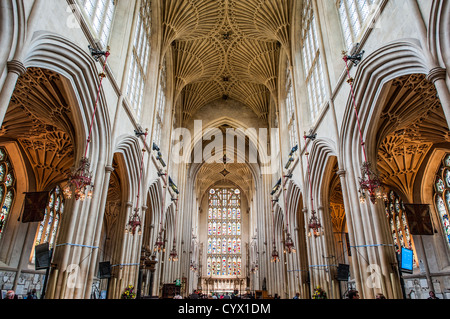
x=436 y=74
x=109 y=169
x=16 y=67
x=341 y=172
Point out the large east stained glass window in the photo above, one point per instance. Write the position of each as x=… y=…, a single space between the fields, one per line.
x=7 y=188
x=442 y=195
x=224 y=252
x=137 y=75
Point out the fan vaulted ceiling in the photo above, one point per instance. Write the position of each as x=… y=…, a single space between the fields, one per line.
x=226 y=49
x=412 y=121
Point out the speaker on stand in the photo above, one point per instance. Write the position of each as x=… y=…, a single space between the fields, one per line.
x=104 y=272
x=343 y=272
x=42 y=261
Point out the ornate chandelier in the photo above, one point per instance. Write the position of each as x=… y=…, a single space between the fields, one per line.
x=314 y=224
x=173 y=256
x=275 y=255
x=134 y=223
x=369 y=181
x=80 y=180
x=289 y=245
x=159 y=244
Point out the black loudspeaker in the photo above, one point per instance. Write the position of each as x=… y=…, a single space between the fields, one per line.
x=104 y=269
x=42 y=256
x=343 y=272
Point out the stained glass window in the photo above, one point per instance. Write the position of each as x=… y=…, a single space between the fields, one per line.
x=48 y=228
x=224 y=232
x=7 y=188
x=395 y=212
x=442 y=195
x=439 y=185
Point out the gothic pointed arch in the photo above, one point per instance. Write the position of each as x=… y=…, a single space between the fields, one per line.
x=58 y=54
x=368 y=85
x=438 y=32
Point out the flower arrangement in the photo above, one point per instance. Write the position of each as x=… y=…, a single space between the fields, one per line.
x=129 y=293
x=319 y=293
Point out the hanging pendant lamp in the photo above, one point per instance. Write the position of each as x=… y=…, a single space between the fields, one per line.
x=369 y=182
x=80 y=180
x=314 y=224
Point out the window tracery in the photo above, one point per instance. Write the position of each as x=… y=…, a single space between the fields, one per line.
x=7 y=188
x=224 y=233
x=442 y=195
x=353 y=14
x=312 y=61
x=48 y=227
x=160 y=107
x=139 y=58
x=290 y=111
x=100 y=14
x=398 y=223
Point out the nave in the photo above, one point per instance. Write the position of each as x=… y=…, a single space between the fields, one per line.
x=200 y=149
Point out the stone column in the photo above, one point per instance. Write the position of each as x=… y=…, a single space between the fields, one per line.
x=126 y=250
x=309 y=259
x=437 y=76
x=6 y=32
x=15 y=70
x=98 y=231
x=347 y=204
